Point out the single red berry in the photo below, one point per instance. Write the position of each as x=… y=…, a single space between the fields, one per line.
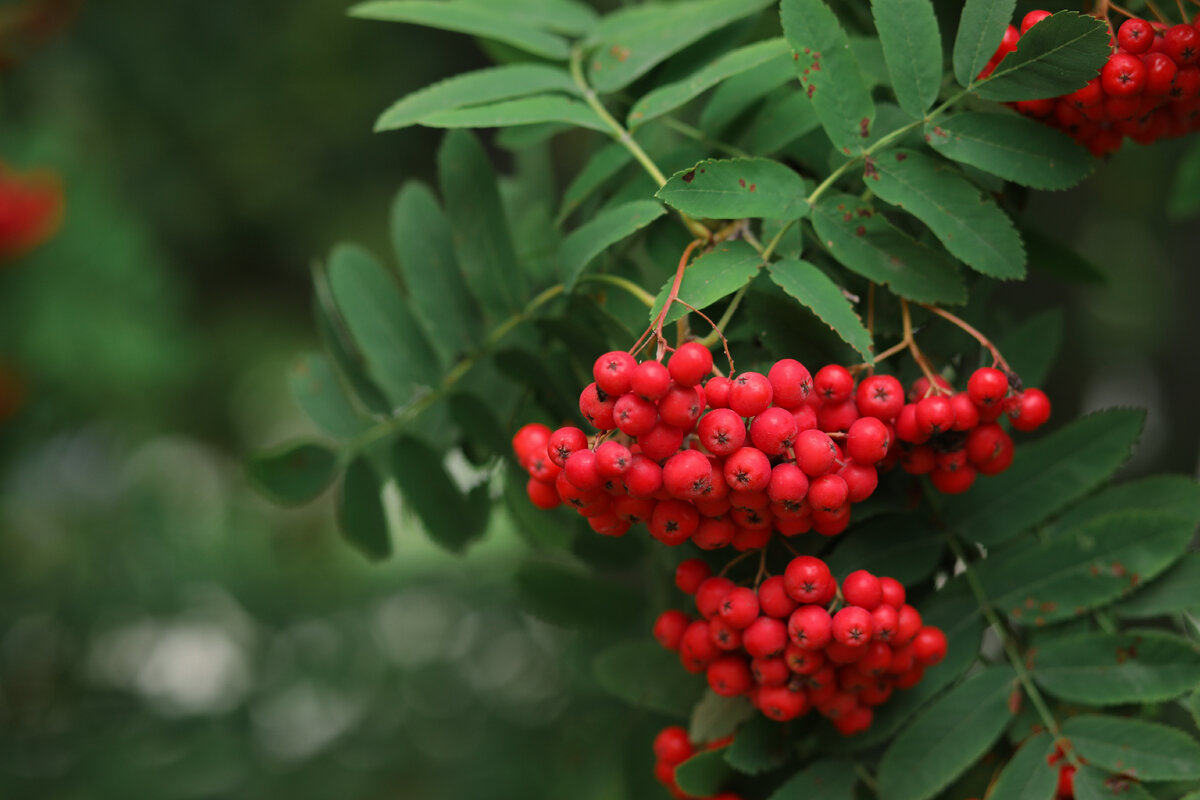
x=688 y=475
x=891 y=592
x=1160 y=73
x=1123 y=75
x=909 y=679
x=597 y=408
x=672 y=745
x=791 y=383
x=833 y=417
x=530 y=441
x=861 y=480
x=884 y=620
x=634 y=415
x=690 y=363
x=581 y=470
x=1002 y=460
x=782 y=703
x=815 y=452
x=696 y=649
x=922 y=388
x=852 y=626
x=713 y=533
x=748 y=470
x=750 y=538
x=805 y=416
x=810 y=627
x=690 y=574
x=680 y=406
x=850 y=679
x=861 y=588
x=880 y=396
x=1186 y=84
x=1043 y=107
x=929 y=646
x=739 y=607
x=833 y=383
x=952 y=481
x=725 y=636
x=935 y=414
x=650 y=380
x=907 y=429
x=750 y=394
x=643 y=479
x=669 y=628
x=828 y=492
x=673 y=521
x=875 y=663
x=770 y=671
x=966 y=415
x=1182 y=44
x=542 y=494
x=987 y=386
x=613 y=459
x=661 y=441
x=877 y=693
x=856 y=720
x=634 y=509
x=1031 y=19
x=709 y=594
x=608 y=524
x=867 y=440
x=1088 y=95
x=808 y=580
x=788 y=485
x=765 y=637
x=907 y=625
x=773 y=599
x=612 y=372
x=803 y=661
x=831 y=523
x=951 y=460
x=984 y=442
x=773 y=430
x=902 y=660
x=721 y=431
x=563 y=442
x=1031 y=411
x=1135 y=36
x=716 y=391
x=919 y=460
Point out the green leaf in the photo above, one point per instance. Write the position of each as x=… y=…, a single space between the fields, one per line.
x=633 y=40
x=490 y=22
x=666 y=99
x=1184 y=199
x=980 y=29
x=1193 y=705
x=1055 y=57
x=360 y=514
x=317 y=390
x=1058 y=577
x=604 y=164
x=424 y=251
x=786 y=116
x=947 y=737
x=1169 y=495
x=863 y=241
x=1104 y=669
x=398 y=357
x=1174 y=591
x=1049 y=255
x=482 y=241
x=809 y=286
x=972 y=228
x=722 y=271
x=472 y=88
x=735 y=188
x=829 y=72
x=1093 y=784
x=645 y=675
x=1045 y=476
x=293 y=473
x=561 y=16
x=598 y=234
x=575 y=598
x=1144 y=750
x=1027 y=776
x=347 y=360
x=912 y=46
x=716 y=717
x=759 y=746
x=1032 y=346
x=733 y=97
x=704 y=774
x=522 y=111
x=827 y=779
x=1014 y=147
x=542 y=530
x=451 y=518
x=901 y=546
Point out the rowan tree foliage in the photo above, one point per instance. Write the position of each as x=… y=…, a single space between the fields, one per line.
x=751 y=183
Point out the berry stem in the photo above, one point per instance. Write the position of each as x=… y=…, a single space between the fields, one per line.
x=1161 y=17
x=997 y=359
x=871 y=310
x=762 y=568
x=711 y=338
x=672 y=296
x=700 y=136
x=1182 y=11
x=866 y=777
x=917 y=355
x=736 y=559
x=716 y=330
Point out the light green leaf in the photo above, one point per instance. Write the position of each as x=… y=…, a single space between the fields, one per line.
x=726 y=268
x=829 y=72
x=716 y=717
x=1144 y=750
x=901 y=546
x=1055 y=57
x=522 y=111
x=1027 y=776
x=1171 y=495
x=398 y=357
x=424 y=250
x=971 y=227
x=704 y=774
x=980 y=29
x=604 y=164
x=293 y=473
x=1094 y=784
x=317 y=390
x=1105 y=669
x=1032 y=346
x=572 y=597
x=811 y=288
x=827 y=779
x=1174 y=591
x=360 y=515
x=347 y=359
x=733 y=97
x=666 y=99
x=633 y=40
x=561 y=16
x=735 y=188
x=759 y=746
x=863 y=241
x=605 y=229
x=1045 y=476
x=472 y=88
x=489 y=22
x=645 y=675
x=912 y=46
x=481 y=238
x=786 y=116
x=1014 y=147
x=948 y=737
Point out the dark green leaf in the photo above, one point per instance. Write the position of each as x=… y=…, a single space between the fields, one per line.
x=1045 y=476
x=980 y=29
x=440 y=300
x=605 y=229
x=724 y=270
x=971 y=227
x=704 y=774
x=645 y=675
x=318 y=391
x=1064 y=575
x=1193 y=705
x=1032 y=346
x=1055 y=57
x=809 y=286
x=1012 y=146
x=733 y=97
x=1184 y=199
x=912 y=46
x=398 y=357
x=736 y=187
x=574 y=598
x=360 y=514
x=481 y=238
x=1144 y=750
x=561 y=16
x=863 y=241
x=533 y=110
x=786 y=116
x=487 y=21
x=347 y=360
x=1170 y=495
x=947 y=737
x=868 y=52
x=1175 y=591
x=901 y=546
x=1105 y=669
x=827 y=779
x=1048 y=254
x=666 y=99
x=716 y=717
x=631 y=41
x=451 y=518
x=829 y=72
x=759 y=746
x=293 y=473
x=542 y=530
x=1027 y=776
x=472 y=88
x=604 y=164
x=1093 y=784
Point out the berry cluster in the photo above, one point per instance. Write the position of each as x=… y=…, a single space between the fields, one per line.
x=790 y=647
x=1148 y=90
x=954 y=436
x=30 y=210
x=672 y=747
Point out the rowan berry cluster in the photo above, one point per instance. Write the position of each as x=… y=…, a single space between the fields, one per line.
x=1148 y=90
x=795 y=644
x=673 y=746
x=954 y=436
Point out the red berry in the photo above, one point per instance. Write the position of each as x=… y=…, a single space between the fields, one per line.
x=907 y=625
x=907 y=429
x=1123 y=75
x=966 y=415
x=751 y=538
x=721 y=431
x=815 y=452
x=716 y=391
x=1182 y=44
x=1086 y=96
x=791 y=383
x=748 y=470
x=770 y=671
x=739 y=607
x=581 y=471
x=650 y=380
x=690 y=363
x=1032 y=18
x=773 y=430
x=613 y=459
x=773 y=599
x=750 y=394
x=919 y=460
x=765 y=637
x=530 y=441
x=788 y=485
x=828 y=492
x=810 y=627
x=1031 y=410
x=782 y=703
x=608 y=524
x=910 y=678
x=867 y=440
x=1160 y=73
x=690 y=574
x=710 y=593
x=1001 y=462
x=984 y=442
x=929 y=646
x=802 y=661
x=1037 y=108
x=884 y=620
x=713 y=533
x=852 y=626
x=833 y=383
x=669 y=628
x=643 y=479
x=877 y=693
x=837 y=416
x=681 y=407
x=861 y=480
x=672 y=746
x=808 y=580
x=673 y=521
x=878 y=656
x=688 y=475
x=633 y=509
x=935 y=414
x=902 y=660
x=880 y=396
x=987 y=386
x=953 y=481
x=831 y=523
x=613 y=371
x=1186 y=83
x=1135 y=36
x=725 y=636
x=891 y=592
x=861 y=588
x=696 y=649
x=661 y=441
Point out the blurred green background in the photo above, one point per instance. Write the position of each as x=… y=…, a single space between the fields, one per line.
x=164 y=632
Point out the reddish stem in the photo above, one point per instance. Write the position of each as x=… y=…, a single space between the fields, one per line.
x=997 y=359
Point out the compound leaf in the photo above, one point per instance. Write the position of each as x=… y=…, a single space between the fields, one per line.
x=360 y=514
x=980 y=29
x=720 y=272
x=605 y=229
x=912 y=47
x=1136 y=747
x=1104 y=669
x=1055 y=57
x=1014 y=147
x=490 y=22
